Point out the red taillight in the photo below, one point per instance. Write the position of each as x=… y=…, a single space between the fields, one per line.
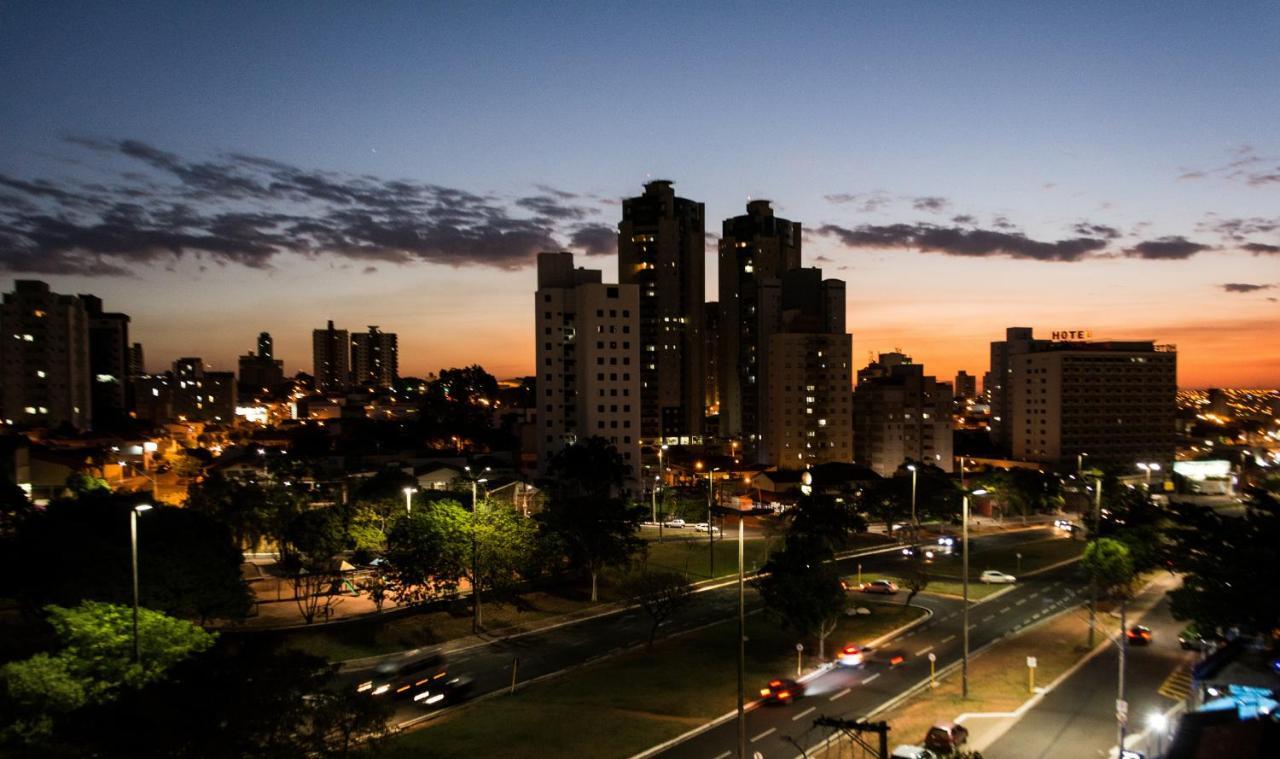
x=774 y=683
x=895 y=661
x=851 y=649
x=784 y=694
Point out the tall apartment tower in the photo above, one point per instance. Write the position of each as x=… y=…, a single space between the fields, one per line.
x=331 y=359
x=808 y=419
x=756 y=249
x=711 y=333
x=45 y=369
x=374 y=360
x=266 y=346
x=260 y=372
x=588 y=349
x=199 y=394
x=966 y=385
x=1001 y=394
x=1114 y=401
x=901 y=414
x=661 y=248
x=108 y=364
x=137 y=361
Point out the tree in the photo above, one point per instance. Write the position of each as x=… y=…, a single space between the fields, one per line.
x=15 y=507
x=94 y=662
x=660 y=593
x=254 y=512
x=593 y=532
x=313 y=542
x=830 y=523
x=504 y=544
x=801 y=589
x=916 y=577
x=427 y=551
x=377 y=588
x=591 y=468
x=1109 y=567
x=188 y=564
x=83 y=483
x=344 y=723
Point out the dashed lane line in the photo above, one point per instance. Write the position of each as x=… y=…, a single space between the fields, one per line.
x=869 y=679
x=1002 y=611
x=765 y=734
x=924 y=651
x=841 y=694
x=804 y=713
x=988 y=618
x=947 y=639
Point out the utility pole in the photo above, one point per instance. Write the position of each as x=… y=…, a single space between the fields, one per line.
x=742 y=649
x=1093 y=586
x=475 y=551
x=964 y=572
x=711 y=527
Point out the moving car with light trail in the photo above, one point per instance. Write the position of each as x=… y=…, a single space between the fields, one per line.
x=403 y=677
x=781 y=691
x=997 y=578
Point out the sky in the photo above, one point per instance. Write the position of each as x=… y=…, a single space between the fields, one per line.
x=219 y=169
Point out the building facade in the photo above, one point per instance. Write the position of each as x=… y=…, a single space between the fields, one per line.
x=966 y=385
x=331 y=359
x=109 y=362
x=661 y=244
x=374 y=358
x=900 y=414
x=260 y=373
x=1112 y=401
x=711 y=381
x=588 y=360
x=45 y=365
x=1000 y=393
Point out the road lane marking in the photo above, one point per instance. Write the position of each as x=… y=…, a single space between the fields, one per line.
x=924 y=651
x=947 y=639
x=949 y=616
x=973 y=627
x=1002 y=611
x=869 y=679
x=1021 y=602
x=725 y=755
x=1033 y=595
x=766 y=733
x=804 y=713
x=988 y=618
x=841 y=694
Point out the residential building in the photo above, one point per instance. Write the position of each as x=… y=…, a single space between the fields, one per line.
x=260 y=372
x=1004 y=353
x=137 y=360
x=900 y=414
x=756 y=249
x=374 y=361
x=711 y=381
x=196 y=394
x=331 y=359
x=45 y=368
x=966 y=385
x=109 y=361
x=661 y=249
x=1114 y=401
x=588 y=361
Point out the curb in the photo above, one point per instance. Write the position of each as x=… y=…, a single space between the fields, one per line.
x=816 y=672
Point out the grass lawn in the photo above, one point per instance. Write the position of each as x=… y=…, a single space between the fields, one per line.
x=691 y=555
x=626 y=704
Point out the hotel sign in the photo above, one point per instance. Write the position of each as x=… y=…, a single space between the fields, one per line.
x=1071 y=334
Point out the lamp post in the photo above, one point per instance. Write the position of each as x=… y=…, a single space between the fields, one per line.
x=133 y=550
x=711 y=528
x=964 y=575
x=122 y=466
x=1093 y=586
x=1148 y=468
x=1080 y=461
x=408 y=499
x=475 y=551
x=742 y=649
x=914 y=525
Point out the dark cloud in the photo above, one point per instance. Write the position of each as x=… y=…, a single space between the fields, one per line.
x=930 y=203
x=1088 y=229
x=963 y=219
x=955 y=241
x=595 y=239
x=1002 y=222
x=1172 y=248
x=1241 y=287
x=1258 y=248
x=1239 y=229
x=247 y=210
x=866 y=202
x=1245 y=166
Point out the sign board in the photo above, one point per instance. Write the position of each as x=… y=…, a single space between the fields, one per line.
x=933 y=657
x=1122 y=711
x=1031 y=662
x=799 y=646
x=1071 y=334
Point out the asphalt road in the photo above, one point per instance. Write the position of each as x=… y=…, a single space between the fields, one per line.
x=782 y=731
x=1077 y=719
x=552 y=650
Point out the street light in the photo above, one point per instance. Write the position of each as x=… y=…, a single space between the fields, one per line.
x=711 y=527
x=408 y=499
x=133 y=550
x=656 y=479
x=475 y=551
x=1158 y=723
x=1080 y=461
x=964 y=574
x=1149 y=468
x=912 y=469
x=742 y=649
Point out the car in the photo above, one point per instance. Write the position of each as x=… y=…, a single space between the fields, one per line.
x=444 y=692
x=946 y=737
x=997 y=578
x=852 y=655
x=911 y=752
x=1191 y=639
x=704 y=527
x=676 y=523
x=399 y=677
x=781 y=691
x=1138 y=635
x=879 y=586
x=1064 y=524
x=946 y=541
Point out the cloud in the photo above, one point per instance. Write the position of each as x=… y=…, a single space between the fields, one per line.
x=930 y=203
x=595 y=239
x=1244 y=166
x=1258 y=248
x=1096 y=230
x=1241 y=287
x=1171 y=248
x=963 y=219
x=866 y=202
x=248 y=210
x=1238 y=228
x=955 y=241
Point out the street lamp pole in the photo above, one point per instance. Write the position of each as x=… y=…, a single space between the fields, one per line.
x=1093 y=586
x=133 y=550
x=915 y=527
x=964 y=576
x=408 y=499
x=711 y=528
x=742 y=649
x=475 y=552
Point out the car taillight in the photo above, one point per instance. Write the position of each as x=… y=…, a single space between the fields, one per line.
x=784 y=694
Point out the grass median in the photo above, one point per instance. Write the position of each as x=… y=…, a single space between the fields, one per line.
x=626 y=704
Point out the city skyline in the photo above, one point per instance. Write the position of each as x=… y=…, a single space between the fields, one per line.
x=957 y=192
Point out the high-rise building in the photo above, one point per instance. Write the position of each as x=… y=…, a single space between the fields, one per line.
x=260 y=372
x=331 y=359
x=108 y=364
x=374 y=362
x=45 y=368
x=900 y=414
x=756 y=250
x=661 y=248
x=197 y=394
x=966 y=385
x=137 y=360
x=1114 y=401
x=882 y=366
x=1018 y=340
x=588 y=353
x=808 y=417
x=711 y=381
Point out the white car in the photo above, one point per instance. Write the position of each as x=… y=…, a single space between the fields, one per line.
x=911 y=752
x=997 y=578
x=700 y=527
x=677 y=523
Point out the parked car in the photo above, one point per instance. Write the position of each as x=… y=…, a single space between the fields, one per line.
x=704 y=527
x=879 y=586
x=997 y=578
x=677 y=523
x=1138 y=635
x=946 y=737
x=1191 y=639
x=782 y=691
x=911 y=752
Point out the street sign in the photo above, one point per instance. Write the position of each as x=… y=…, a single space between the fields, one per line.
x=933 y=657
x=1031 y=662
x=799 y=646
x=1122 y=710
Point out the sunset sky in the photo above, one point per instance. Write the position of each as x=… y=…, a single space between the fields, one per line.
x=218 y=170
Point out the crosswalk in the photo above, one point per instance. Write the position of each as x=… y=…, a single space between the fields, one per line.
x=1176 y=686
